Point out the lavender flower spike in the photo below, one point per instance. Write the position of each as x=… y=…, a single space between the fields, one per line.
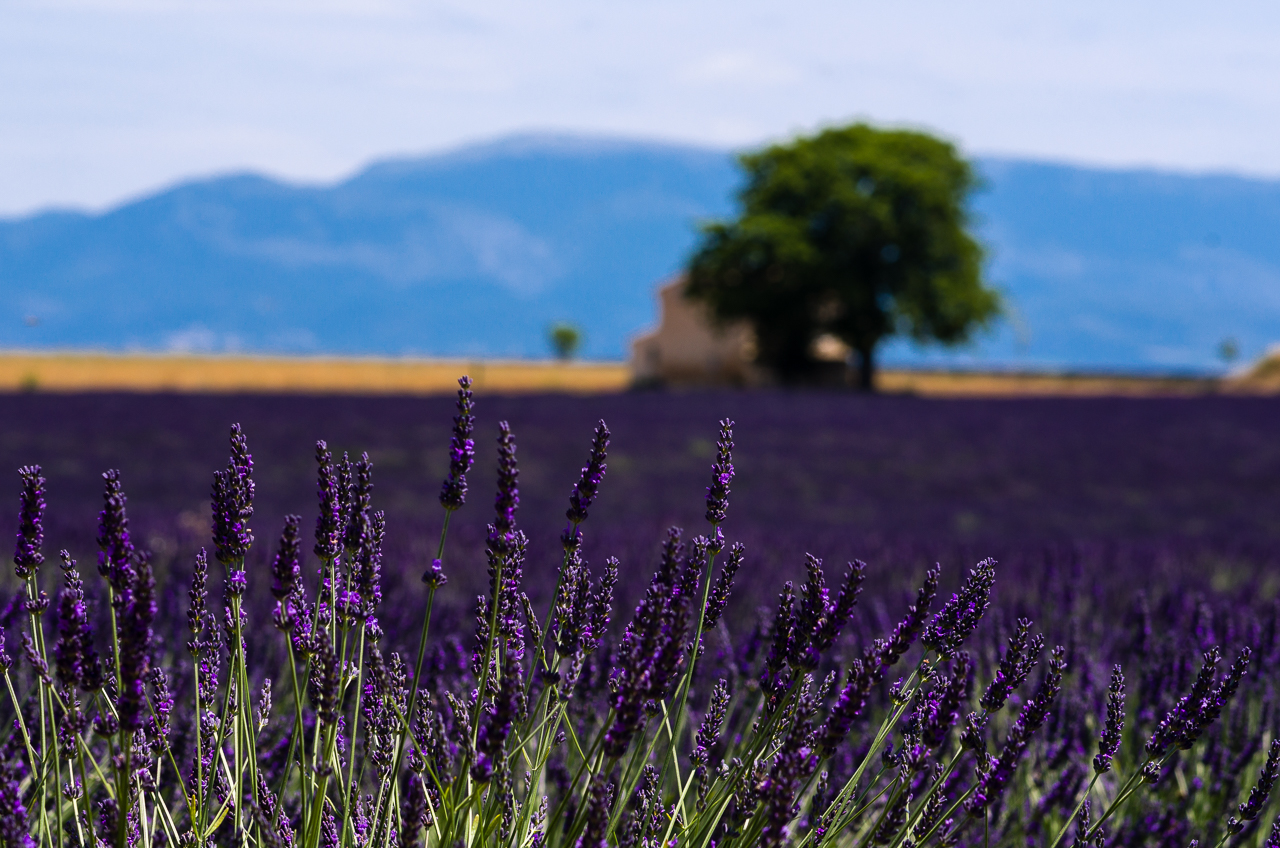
x=286 y=571
x=14 y=829
x=502 y=531
x=1252 y=808
x=721 y=475
x=1109 y=742
x=1017 y=662
x=75 y=659
x=462 y=450
x=26 y=556
x=233 y=502
x=113 y=532
x=137 y=611
x=587 y=487
x=959 y=617
x=329 y=522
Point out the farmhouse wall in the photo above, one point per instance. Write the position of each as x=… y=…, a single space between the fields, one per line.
x=689 y=348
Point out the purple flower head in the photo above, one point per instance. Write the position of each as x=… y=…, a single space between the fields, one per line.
x=495 y=723
x=959 y=617
x=599 y=806
x=794 y=762
x=718 y=598
x=26 y=555
x=848 y=706
x=329 y=522
x=197 y=616
x=1195 y=711
x=135 y=612
x=709 y=729
x=1109 y=742
x=113 y=532
x=357 y=513
x=601 y=606
x=646 y=644
x=587 y=487
x=233 y=502
x=783 y=645
x=948 y=702
x=286 y=569
x=569 y=621
x=993 y=780
x=75 y=658
x=15 y=831
x=819 y=620
x=909 y=628
x=1018 y=660
x=1251 y=808
x=369 y=564
x=462 y=450
x=325 y=679
x=434 y=575
x=505 y=502
x=721 y=475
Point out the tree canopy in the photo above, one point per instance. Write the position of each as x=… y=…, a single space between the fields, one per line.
x=856 y=232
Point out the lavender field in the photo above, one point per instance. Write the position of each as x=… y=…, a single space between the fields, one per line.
x=1182 y=484
x=1138 y=533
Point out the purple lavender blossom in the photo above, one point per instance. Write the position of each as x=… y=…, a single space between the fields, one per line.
x=1018 y=660
x=587 y=487
x=953 y=694
x=15 y=831
x=599 y=804
x=113 y=532
x=325 y=679
x=648 y=637
x=434 y=576
x=1261 y=791
x=1184 y=723
x=359 y=503
x=462 y=450
x=329 y=522
x=911 y=625
x=75 y=657
x=1109 y=741
x=233 y=502
x=718 y=597
x=959 y=616
x=721 y=475
x=135 y=612
x=27 y=556
x=286 y=570
x=995 y=778
x=794 y=762
x=506 y=501
x=368 y=565
x=495 y=723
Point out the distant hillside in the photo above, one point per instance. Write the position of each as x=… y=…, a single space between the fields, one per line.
x=475 y=252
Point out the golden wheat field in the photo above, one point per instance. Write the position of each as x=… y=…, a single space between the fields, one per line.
x=78 y=372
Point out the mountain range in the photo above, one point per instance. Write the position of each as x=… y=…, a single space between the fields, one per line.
x=476 y=252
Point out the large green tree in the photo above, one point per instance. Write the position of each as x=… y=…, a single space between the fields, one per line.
x=857 y=232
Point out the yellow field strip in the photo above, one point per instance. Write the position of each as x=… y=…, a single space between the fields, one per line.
x=74 y=372
x=996 y=384
x=77 y=372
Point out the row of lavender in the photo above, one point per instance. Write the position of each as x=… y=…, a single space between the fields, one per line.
x=830 y=719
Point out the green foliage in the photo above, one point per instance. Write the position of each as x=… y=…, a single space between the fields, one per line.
x=565 y=339
x=857 y=232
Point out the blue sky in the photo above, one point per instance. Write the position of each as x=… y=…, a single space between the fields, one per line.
x=101 y=100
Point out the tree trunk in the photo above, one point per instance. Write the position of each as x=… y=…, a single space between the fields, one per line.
x=866 y=369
